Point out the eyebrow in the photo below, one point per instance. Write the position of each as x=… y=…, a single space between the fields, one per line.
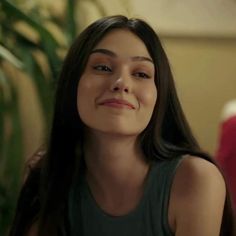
x=112 y=54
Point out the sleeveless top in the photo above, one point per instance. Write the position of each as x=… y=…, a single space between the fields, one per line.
x=149 y=218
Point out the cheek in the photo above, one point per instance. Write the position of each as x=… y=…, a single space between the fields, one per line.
x=89 y=90
x=148 y=97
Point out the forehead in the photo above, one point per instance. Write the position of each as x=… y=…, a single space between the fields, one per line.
x=124 y=42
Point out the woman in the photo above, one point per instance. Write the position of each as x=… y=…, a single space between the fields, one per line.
x=121 y=158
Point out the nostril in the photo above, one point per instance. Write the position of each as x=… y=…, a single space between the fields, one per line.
x=116 y=88
x=120 y=88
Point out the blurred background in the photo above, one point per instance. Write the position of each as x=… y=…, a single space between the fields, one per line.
x=199 y=38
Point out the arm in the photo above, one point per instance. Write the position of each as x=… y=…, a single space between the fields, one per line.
x=197 y=199
x=28 y=204
x=33 y=230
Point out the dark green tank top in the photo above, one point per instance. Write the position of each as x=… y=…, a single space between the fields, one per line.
x=149 y=218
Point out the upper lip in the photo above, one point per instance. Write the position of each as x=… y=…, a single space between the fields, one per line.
x=118 y=101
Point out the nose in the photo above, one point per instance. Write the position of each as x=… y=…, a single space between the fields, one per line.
x=121 y=84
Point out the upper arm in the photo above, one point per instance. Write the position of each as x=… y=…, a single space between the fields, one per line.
x=34 y=162
x=197 y=198
x=33 y=230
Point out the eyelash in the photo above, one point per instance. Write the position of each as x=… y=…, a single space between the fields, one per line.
x=142 y=75
x=107 y=69
x=102 y=68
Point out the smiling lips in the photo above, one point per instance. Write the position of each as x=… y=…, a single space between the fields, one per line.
x=117 y=103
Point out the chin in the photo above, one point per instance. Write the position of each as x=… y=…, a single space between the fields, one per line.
x=117 y=131
x=115 y=128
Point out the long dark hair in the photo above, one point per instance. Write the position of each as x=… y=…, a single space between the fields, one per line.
x=44 y=195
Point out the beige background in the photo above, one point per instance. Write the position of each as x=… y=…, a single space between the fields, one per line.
x=204 y=65
x=205 y=72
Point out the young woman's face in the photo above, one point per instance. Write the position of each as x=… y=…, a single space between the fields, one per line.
x=117 y=92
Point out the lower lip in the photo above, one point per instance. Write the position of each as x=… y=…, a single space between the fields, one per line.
x=117 y=105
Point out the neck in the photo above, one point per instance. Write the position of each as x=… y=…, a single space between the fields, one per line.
x=114 y=159
x=116 y=171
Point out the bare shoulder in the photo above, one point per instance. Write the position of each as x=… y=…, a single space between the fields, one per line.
x=34 y=162
x=197 y=172
x=197 y=198
x=33 y=230
x=36 y=159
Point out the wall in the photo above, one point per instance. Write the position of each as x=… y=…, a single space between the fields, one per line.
x=205 y=73
x=200 y=40
x=203 y=60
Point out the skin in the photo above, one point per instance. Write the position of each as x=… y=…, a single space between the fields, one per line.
x=116 y=167
x=119 y=67
x=197 y=199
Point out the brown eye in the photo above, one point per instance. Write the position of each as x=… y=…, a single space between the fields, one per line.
x=142 y=75
x=102 y=68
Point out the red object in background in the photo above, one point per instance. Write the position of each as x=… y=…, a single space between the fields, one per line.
x=226 y=154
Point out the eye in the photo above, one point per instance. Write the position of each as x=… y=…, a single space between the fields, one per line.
x=102 y=68
x=142 y=75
